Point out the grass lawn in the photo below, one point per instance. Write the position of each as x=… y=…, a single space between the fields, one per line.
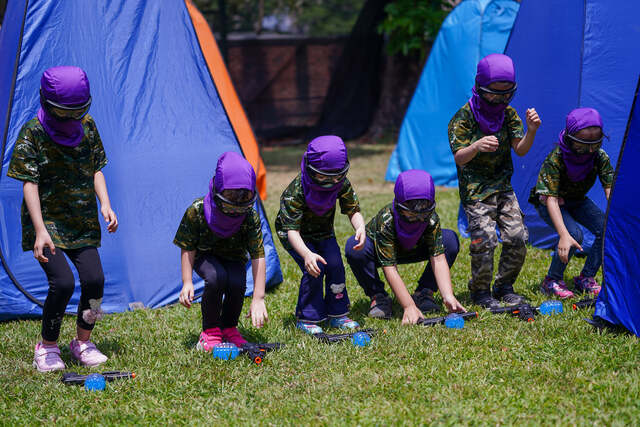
x=497 y=370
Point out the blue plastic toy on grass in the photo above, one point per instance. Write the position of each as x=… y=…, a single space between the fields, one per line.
x=95 y=382
x=550 y=307
x=361 y=339
x=225 y=351
x=454 y=321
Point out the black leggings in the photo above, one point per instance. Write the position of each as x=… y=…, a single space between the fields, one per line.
x=221 y=277
x=62 y=283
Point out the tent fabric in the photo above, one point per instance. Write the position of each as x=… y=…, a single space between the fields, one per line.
x=164 y=122
x=474 y=29
x=585 y=53
x=619 y=300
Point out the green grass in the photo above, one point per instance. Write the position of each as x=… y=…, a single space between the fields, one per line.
x=497 y=370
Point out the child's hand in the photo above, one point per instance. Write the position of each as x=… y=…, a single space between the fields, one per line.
x=361 y=237
x=564 y=246
x=453 y=306
x=311 y=263
x=258 y=312
x=411 y=315
x=533 y=120
x=43 y=239
x=110 y=218
x=487 y=144
x=186 y=295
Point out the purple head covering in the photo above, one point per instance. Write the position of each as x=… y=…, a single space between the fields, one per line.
x=64 y=85
x=492 y=68
x=324 y=153
x=578 y=165
x=233 y=172
x=410 y=185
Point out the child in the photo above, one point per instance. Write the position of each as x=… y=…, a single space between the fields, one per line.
x=406 y=231
x=214 y=236
x=305 y=227
x=59 y=157
x=482 y=134
x=560 y=197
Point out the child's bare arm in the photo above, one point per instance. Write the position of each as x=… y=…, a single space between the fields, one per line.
x=522 y=146
x=411 y=313
x=32 y=200
x=357 y=222
x=443 y=279
x=258 y=309
x=109 y=215
x=186 y=262
x=310 y=259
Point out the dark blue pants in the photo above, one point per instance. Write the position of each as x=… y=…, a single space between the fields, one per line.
x=364 y=263
x=221 y=278
x=589 y=215
x=313 y=306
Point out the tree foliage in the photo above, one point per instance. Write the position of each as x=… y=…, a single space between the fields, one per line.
x=411 y=24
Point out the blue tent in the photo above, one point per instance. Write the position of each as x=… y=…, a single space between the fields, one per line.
x=160 y=112
x=583 y=53
x=474 y=29
x=619 y=300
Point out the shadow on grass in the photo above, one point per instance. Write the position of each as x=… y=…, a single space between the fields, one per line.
x=190 y=340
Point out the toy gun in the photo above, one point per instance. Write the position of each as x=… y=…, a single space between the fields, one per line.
x=334 y=338
x=524 y=312
x=585 y=303
x=440 y=320
x=73 y=378
x=257 y=352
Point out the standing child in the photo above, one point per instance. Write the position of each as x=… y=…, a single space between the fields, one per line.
x=305 y=227
x=560 y=197
x=215 y=235
x=482 y=134
x=59 y=157
x=405 y=232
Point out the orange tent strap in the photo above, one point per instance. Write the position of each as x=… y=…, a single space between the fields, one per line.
x=229 y=97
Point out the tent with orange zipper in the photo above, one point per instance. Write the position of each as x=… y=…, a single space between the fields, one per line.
x=166 y=110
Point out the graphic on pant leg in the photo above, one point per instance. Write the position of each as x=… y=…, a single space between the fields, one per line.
x=337 y=289
x=484 y=240
x=94 y=313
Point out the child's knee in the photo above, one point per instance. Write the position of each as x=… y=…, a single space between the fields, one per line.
x=576 y=232
x=451 y=242
x=483 y=240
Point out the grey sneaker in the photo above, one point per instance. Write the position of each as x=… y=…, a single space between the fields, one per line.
x=484 y=299
x=425 y=302
x=507 y=295
x=381 y=307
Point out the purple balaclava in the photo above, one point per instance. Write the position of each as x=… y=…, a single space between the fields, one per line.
x=492 y=68
x=410 y=185
x=64 y=85
x=233 y=172
x=323 y=153
x=578 y=165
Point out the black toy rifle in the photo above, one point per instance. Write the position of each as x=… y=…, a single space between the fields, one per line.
x=440 y=320
x=257 y=352
x=334 y=338
x=524 y=312
x=73 y=378
x=585 y=303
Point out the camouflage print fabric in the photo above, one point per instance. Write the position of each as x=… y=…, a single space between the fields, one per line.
x=501 y=209
x=486 y=173
x=294 y=213
x=65 y=184
x=195 y=235
x=382 y=231
x=554 y=181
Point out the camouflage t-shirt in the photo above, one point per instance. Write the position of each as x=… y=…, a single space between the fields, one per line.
x=294 y=213
x=194 y=234
x=65 y=178
x=486 y=173
x=554 y=181
x=382 y=231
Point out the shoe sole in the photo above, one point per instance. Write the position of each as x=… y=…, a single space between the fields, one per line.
x=35 y=365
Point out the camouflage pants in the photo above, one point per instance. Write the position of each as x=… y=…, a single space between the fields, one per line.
x=501 y=209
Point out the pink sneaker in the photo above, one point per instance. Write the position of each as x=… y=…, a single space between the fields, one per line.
x=233 y=336
x=586 y=284
x=47 y=358
x=209 y=339
x=86 y=353
x=556 y=288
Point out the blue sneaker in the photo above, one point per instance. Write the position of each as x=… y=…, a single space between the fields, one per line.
x=343 y=322
x=308 y=327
